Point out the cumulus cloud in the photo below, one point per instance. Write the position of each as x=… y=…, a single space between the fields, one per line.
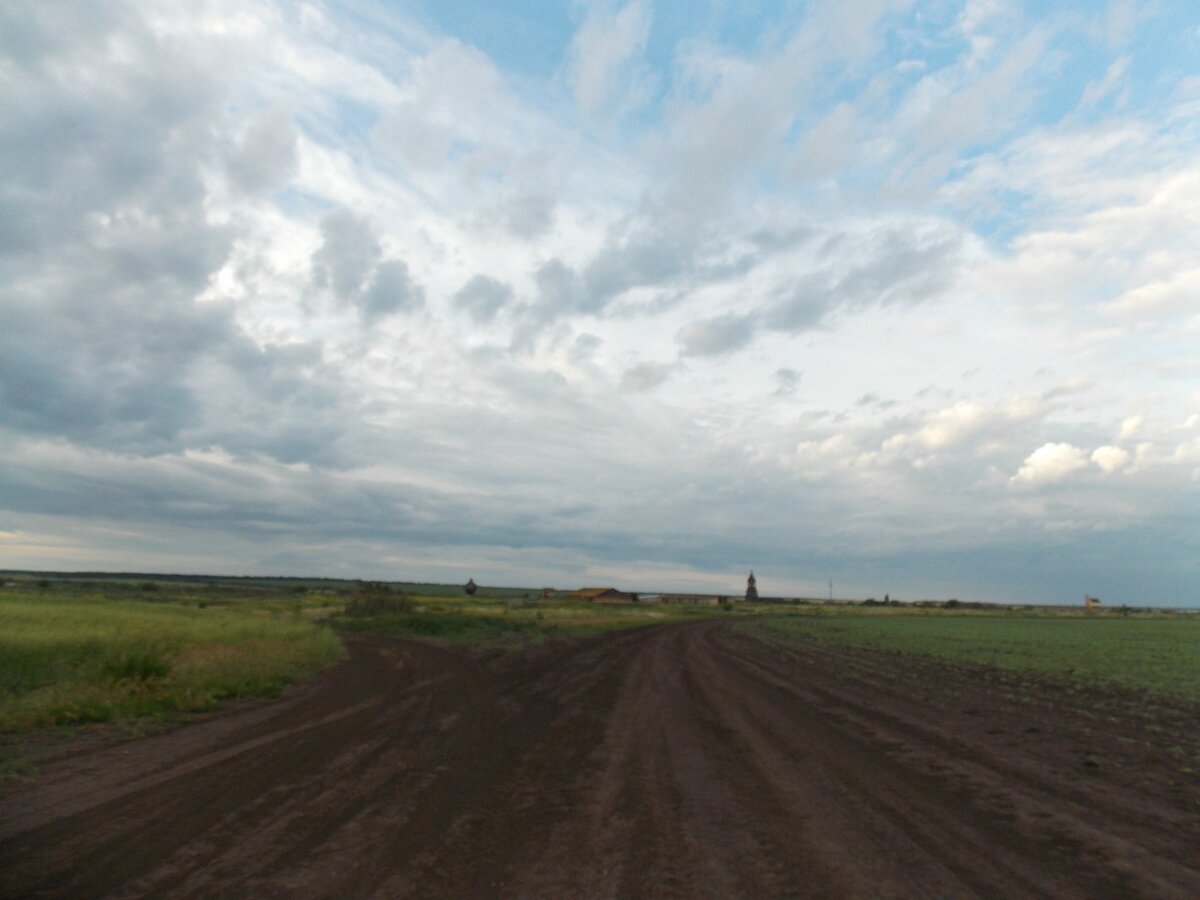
x=1130 y=427
x=952 y=425
x=1110 y=459
x=350 y=263
x=1049 y=463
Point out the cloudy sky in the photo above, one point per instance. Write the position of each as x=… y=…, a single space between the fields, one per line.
x=900 y=294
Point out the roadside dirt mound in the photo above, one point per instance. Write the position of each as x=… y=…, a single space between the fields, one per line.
x=676 y=761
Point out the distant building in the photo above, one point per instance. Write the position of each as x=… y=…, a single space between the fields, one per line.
x=691 y=599
x=751 y=589
x=1091 y=602
x=600 y=595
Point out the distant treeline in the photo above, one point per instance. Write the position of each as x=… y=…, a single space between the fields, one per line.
x=247 y=584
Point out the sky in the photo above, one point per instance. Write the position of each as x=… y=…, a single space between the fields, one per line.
x=899 y=295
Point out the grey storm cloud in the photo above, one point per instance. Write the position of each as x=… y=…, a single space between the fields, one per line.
x=391 y=290
x=787 y=381
x=104 y=342
x=885 y=266
x=348 y=253
x=660 y=251
x=585 y=345
x=350 y=263
x=646 y=376
x=716 y=336
x=482 y=297
x=529 y=213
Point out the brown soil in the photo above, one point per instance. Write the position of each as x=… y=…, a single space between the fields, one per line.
x=678 y=761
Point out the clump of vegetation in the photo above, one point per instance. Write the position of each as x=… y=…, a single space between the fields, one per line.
x=139 y=661
x=87 y=658
x=376 y=599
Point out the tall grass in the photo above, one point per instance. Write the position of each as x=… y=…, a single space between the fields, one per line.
x=80 y=659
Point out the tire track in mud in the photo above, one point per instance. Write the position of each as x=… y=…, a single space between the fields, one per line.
x=673 y=761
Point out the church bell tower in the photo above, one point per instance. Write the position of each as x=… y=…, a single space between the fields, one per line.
x=751 y=588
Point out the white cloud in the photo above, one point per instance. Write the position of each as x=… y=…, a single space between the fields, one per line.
x=1096 y=91
x=1049 y=463
x=604 y=54
x=1110 y=459
x=952 y=425
x=1178 y=292
x=1130 y=427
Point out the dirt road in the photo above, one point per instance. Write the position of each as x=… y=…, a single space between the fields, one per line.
x=675 y=761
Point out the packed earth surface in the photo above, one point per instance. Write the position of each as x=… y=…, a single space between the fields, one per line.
x=692 y=760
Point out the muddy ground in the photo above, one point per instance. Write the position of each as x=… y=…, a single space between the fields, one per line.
x=677 y=761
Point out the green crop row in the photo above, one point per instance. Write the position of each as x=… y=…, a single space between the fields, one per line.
x=1159 y=655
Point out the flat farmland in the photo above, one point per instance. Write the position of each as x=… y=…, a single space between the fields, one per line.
x=705 y=758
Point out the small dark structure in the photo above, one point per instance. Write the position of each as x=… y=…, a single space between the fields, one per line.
x=470 y=588
x=600 y=595
x=751 y=589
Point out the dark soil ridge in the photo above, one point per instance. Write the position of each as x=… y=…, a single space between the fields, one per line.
x=687 y=760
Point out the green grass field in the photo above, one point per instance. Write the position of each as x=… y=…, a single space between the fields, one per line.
x=1156 y=654
x=80 y=657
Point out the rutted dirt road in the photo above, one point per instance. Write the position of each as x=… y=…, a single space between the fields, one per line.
x=676 y=761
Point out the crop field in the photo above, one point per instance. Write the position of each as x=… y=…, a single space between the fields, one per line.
x=1159 y=654
x=83 y=656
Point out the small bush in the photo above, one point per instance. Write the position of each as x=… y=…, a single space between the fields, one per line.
x=136 y=662
x=375 y=600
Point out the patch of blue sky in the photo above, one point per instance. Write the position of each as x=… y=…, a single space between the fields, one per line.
x=1005 y=218
x=343 y=122
x=526 y=37
x=1164 y=50
x=297 y=203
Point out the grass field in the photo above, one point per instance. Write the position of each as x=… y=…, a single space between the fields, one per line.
x=1158 y=654
x=80 y=657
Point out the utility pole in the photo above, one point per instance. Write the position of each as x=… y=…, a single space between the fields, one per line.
x=830 y=590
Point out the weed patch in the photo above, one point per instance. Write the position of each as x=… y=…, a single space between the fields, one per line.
x=90 y=659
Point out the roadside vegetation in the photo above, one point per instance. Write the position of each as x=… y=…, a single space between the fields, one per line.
x=507 y=619
x=91 y=648
x=72 y=654
x=1157 y=653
